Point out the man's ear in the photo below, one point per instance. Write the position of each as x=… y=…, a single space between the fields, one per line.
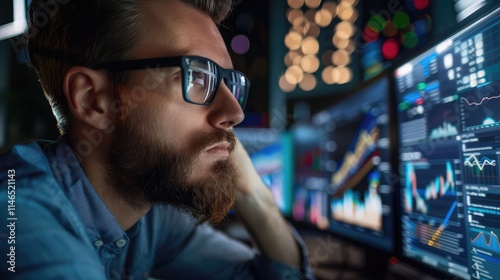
x=89 y=94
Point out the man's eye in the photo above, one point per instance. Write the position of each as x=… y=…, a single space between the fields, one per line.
x=199 y=79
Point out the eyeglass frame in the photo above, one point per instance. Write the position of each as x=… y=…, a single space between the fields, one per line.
x=176 y=61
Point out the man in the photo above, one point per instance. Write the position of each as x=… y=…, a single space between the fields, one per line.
x=145 y=101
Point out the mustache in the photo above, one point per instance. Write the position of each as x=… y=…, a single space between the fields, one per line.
x=210 y=138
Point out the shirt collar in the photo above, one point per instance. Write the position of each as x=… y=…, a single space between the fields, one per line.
x=98 y=220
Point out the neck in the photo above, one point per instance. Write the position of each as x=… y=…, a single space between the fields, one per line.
x=125 y=212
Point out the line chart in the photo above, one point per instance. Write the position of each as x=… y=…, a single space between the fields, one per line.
x=472 y=161
x=481 y=169
x=473 y=103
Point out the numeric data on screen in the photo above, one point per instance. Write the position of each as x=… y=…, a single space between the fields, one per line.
x=449 y=150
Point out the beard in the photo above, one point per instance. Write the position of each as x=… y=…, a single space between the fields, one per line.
x=145 y=172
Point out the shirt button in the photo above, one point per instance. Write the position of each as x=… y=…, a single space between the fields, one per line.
x=98 y=243
x=120 y=243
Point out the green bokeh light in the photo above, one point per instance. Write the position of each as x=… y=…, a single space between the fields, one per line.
x=404 y=105
x=401 y=20
x=377 y=22
x=410 y=39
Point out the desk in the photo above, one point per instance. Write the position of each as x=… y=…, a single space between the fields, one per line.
x=331 y=257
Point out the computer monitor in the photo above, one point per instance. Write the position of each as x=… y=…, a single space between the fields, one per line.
x=343 y=168
x=12 y=18
x=448 y=99
x=271 y=153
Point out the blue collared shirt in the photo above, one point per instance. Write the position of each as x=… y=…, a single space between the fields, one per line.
x=57 y=227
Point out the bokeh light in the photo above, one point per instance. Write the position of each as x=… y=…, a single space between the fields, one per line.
x=423 y=25
x=310 y=45
x=420 y=4
x=354 y=16
x=341 y=58
x=308 y=83
x=294 y=74
x=295 y=4
x=350 y=2
x=377 y=23
x=369 y=34
x=293 y=40
x=309 y=63
x=345 y=75
x=313 y=30
x=285 y=85
x=389 y=29
x=313 y=4
x=323 y=17
x=409 y=39
x=340 y=43
x=351 y=47
x=330 y=75
x=401 y=20
x=346 y=13
x=294 y=14
x=310 y=15
x=344 y=30
x=308 y=19
x=240 y=44
x=390 y=49
x=297 y=60
x=290 y=56
x=330 y=6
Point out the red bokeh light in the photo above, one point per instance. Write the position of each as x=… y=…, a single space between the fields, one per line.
x=420 y=4
x=390 y=49
x=369 y=34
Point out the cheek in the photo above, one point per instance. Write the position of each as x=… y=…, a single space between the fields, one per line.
x=172 y=124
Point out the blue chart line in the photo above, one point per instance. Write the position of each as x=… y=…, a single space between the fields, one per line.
x=435 y=236
x=488 y=258
x=473 y=161
x=453 y=206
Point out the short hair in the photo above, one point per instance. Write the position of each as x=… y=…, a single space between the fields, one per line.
x=65 y=33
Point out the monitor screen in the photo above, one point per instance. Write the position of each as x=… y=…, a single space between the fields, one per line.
x=449 y=147
x=12 y=18
x=271 y=154
x=343 y=168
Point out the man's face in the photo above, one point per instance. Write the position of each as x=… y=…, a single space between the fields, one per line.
x=165 y=150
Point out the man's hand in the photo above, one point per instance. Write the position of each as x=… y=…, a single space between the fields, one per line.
x=248 y=180
x=259 y=213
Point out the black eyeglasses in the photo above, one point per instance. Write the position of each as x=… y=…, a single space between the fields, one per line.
x=201 y=77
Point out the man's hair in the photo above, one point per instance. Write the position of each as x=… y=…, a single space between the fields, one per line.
x=66 y=33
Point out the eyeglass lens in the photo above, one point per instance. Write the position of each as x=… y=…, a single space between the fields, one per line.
x=237 y=84
x=202 y=82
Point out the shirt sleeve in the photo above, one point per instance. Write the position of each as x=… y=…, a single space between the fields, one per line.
x=202 y=252
x=38 y=243
x=38 y=238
